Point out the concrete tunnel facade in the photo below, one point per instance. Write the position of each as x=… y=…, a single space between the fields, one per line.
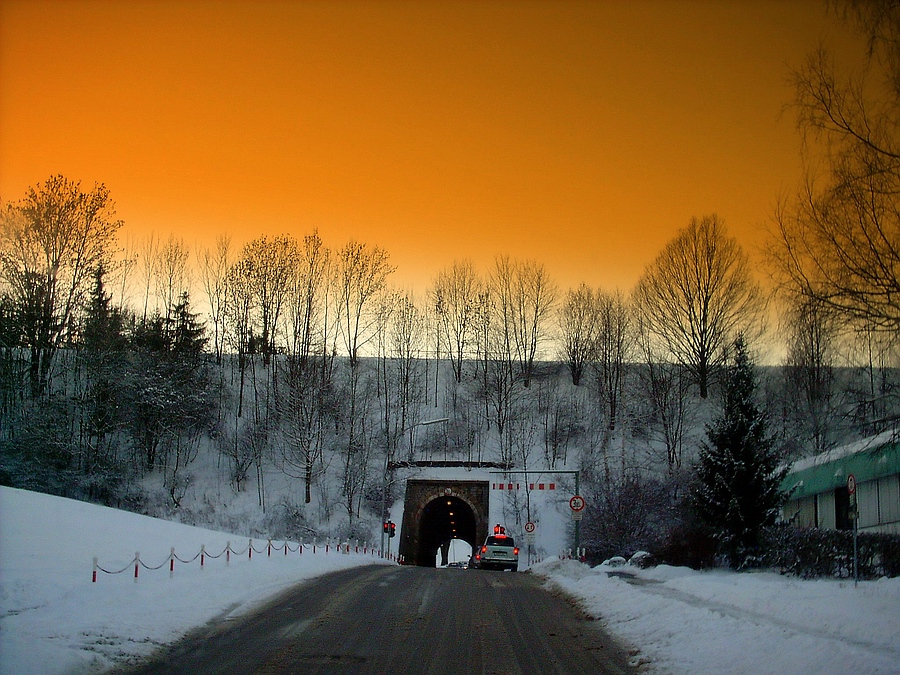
x=437 y=511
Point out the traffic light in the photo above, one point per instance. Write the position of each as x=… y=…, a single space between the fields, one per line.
x=386 y=527
x=393 y=529
x=499 y=529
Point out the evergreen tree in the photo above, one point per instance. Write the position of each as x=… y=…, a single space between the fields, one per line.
x=168 y=390
x=11 y=369
x=188 y=336
x=103 y=345
x=737 y=492
x=103 y=327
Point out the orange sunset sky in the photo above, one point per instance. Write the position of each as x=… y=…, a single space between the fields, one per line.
x=579 y=134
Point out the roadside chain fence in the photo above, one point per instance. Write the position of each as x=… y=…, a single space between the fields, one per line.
x=136 y=563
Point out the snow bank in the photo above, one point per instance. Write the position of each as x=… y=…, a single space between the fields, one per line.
x=53 y=619
x=683 y=621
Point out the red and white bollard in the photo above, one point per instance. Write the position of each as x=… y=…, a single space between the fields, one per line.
x=137 y=562
x=202 y=555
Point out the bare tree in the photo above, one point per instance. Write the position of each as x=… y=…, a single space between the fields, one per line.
x=360 y=277
x=809 y=370
x=664 y=391
x=612 y=350
x=559 y=410
x=238 y=323
x=213 y=270
x=406 y=336
x=578 y=329
x=307 y=307
x=696 y=295
x=121 y=272
x=875 y=405
x=361 y=274
x=838 y=240
x=148 y=258
x=50 y=245
x=270 y=266
x=172 y=273
x=454 y=296
x=524 y=297
x=306 y=402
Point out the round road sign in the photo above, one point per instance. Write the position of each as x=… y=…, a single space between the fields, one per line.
x=576 y=503
x=851 y=484
x=529 y=527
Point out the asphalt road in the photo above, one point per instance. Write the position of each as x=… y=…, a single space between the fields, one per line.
x=407 y=620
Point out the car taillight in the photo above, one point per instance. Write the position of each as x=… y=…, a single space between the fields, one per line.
x=516 y=550
x=484 y=549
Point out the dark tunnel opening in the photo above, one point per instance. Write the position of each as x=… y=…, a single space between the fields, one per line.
x=444 y=519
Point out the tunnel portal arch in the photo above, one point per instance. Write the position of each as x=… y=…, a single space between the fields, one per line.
x=437 y=511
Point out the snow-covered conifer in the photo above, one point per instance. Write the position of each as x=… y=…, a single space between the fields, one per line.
x=737 y=492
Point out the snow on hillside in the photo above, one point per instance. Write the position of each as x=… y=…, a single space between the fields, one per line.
x=682 y=621
x=54 y=620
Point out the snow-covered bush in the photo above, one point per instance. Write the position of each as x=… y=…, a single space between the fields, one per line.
x=642 y=560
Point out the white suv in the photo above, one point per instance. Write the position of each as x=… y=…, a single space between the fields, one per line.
x=498 y=552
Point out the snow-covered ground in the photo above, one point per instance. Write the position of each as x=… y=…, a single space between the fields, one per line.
x=53 y=619
x=683 y=621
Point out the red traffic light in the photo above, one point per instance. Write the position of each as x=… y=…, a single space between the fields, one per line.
x=499 y=529
x=392 y=529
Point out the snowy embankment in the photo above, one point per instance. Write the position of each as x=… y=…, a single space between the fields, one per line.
x=682 y=621
x=53 y=619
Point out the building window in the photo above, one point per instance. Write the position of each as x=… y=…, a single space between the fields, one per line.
x=889 y=499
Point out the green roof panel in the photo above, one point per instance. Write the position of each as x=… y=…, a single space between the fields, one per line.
x=830 y=470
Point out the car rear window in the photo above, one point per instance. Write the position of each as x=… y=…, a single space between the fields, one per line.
x=500 y=541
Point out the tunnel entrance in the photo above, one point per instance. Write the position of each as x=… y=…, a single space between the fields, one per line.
x=445 y=519
x=436 y=512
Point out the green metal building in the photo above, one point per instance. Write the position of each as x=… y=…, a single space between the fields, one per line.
x=820 y=496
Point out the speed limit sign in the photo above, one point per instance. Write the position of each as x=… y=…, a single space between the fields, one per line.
x=576 y=503
x=529 y=527
x=851 y=484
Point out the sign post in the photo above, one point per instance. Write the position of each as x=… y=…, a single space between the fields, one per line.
x=529 y=538
x=854 y=515
x=577 y=505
